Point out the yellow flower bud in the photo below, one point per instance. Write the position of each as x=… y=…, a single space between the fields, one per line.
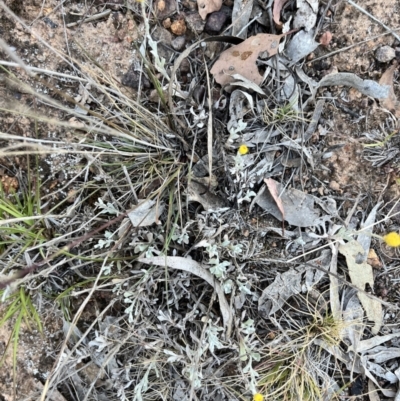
x=243 y=149
x=258 y=397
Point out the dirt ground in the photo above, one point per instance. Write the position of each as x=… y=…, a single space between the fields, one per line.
x=348 y=169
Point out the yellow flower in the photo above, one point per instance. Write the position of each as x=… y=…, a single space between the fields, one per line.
x=258 y=397
x=392 y=239
x=243 y=149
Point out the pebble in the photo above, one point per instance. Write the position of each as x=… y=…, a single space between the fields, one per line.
x=215 y=22
x=132 y=79
x=178 y=43
x=194 y=22
x=185 y=66
x=385 y=54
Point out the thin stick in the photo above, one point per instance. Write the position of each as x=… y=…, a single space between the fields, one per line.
x=390 y=30
x=88 y=19
x=209 y=126
x=343 y=49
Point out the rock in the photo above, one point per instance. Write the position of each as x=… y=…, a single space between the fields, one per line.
x=167 y=23
x=164 y=38
x=185 y=66
x=178 y=43
x=385 y=54
x=132 y=79
x=215 y=22
x=195 y=23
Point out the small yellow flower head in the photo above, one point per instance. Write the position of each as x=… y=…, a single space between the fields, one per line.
x=258 y=397
x=392 y=239
x=243 y=149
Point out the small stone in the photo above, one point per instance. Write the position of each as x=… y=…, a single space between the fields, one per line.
x=167 y=23
x=385 y=54
x=178 y=43
x=164 y=38
x=215 y=22
x=132 y=79
x=178 y=27
x=335 y=186
x=195 y=23
x=185 y=66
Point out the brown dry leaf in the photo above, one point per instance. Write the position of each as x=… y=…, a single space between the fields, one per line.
x=278 y=5
x=373 y=259
x=273 y=190
x=241 y=59
x=390 y=102
x=208 y=6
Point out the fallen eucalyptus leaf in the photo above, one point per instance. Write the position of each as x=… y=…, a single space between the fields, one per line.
x=301 y=45
x=391 y=103
x=146 y=213
x=276 y=11
x=365 y=345
x=241 y=59
x=298 y=206
x=291 y=283
x=361 y=274
x=306 y=15
x=273 y=190
x=378 y=370
x=240 y=17
x=365 y=239
x=246 y=83
x=382 y=354
x=353 y=315
x=366 y=87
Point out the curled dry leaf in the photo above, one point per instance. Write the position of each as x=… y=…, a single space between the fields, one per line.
x=241 y=59
x=273 y=190
x=240 y=17
x=390 y=102
x=208 y=6
x=306 y=15
x=276 y=11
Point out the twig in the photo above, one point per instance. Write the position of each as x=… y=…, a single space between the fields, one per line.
x=390 y=30
x=209 y=126
x=343 y=49
x=88 y=19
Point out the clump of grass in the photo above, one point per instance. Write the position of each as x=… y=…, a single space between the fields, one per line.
x=281 y=114
x=297 y=364
x=19 y=309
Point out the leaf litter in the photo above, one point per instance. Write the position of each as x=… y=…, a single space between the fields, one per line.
x=220 y=226
x=241 y=59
